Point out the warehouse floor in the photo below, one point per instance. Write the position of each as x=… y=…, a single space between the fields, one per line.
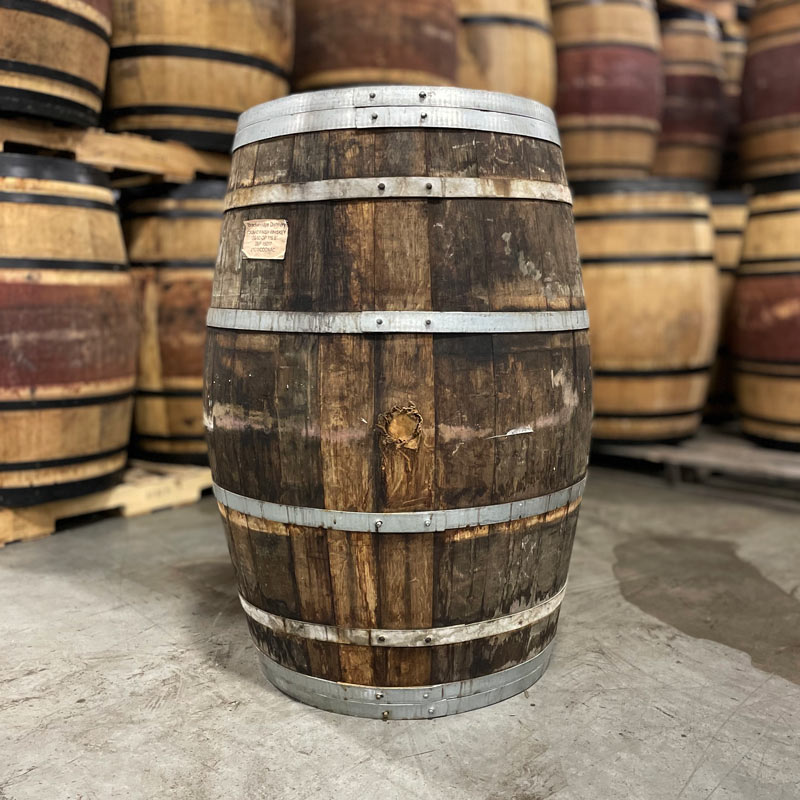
x=126 y=671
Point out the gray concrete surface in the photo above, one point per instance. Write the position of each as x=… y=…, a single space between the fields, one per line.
x=126 y=671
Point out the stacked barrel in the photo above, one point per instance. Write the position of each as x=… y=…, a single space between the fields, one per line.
x=73 y=313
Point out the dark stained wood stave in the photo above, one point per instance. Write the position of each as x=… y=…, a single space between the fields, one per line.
x=610 y=87
x=68 y=328
x=54 y=59
x=350 y=42
x=400 y=422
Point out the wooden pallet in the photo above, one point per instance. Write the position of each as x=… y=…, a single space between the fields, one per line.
x=146 y=487
x=713 y=453
x=126 y=153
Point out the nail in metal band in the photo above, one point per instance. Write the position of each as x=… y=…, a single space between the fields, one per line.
x=400 y=522
x=418 y=637
x=397 y=107
x=358 y=322
x=418 y=702
x=377 y=188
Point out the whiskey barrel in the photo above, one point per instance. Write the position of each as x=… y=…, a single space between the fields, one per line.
x=186 y=69
x=729 y=218
x=397 y=394
x=770 y=136
x=172 y=233
x=350 y=42
x=610 y=86
x=507 y=47
x=54 y=58
x=67 y=332
x=694 y=120
x=766 y=316
x=652 y=292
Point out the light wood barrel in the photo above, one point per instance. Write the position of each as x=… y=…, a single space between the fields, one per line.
x=186 y=69
x=54 y=58
x=729 y=218
x=398 y=394
x=770 y=136
x=507 y=46
x=172 y=234
x=652 y=290
x=351 y=42
x=610 y=86
x=67 y=332
x=694 y=123
x=766 y=316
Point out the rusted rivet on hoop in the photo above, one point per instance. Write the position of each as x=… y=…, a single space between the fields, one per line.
x=424 y=115
x=428 y=639
x=379 y=322
x=372 y=95
x=378 y=695
x=431 y=710
x=427 y=322
x=379 y=522
x=427 y=523
x=429 y=186
x=374 y=116
x=422 y=95
x=381 y=187
x=385 y=715
x=381 y=638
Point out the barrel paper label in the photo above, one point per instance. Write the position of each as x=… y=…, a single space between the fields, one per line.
x=265 y=238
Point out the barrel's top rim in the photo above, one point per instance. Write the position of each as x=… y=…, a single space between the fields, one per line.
x=638 y=186
x=52 y=168
x=362 y=98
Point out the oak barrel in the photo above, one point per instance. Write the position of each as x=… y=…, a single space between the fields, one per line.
x=610 y=86
x=729 y=218
x=770 y=136
x=186 y=69
x=652 y=290
x=766 y=315
x=507 y=47
x=398 y=394
x=54 y=58
x=67 y=332
x=350 y=42
x=694 y=123
x=172 y=233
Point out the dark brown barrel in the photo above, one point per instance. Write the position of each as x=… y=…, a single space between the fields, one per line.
x=186 y=69
x=766 y=316
x=172 y=233
x=694 y=120
x=653 y=296
x=610 y=86
x=729 y=218
x=770 y=143
x=507 y=46
x=397 y=394
x=54 y=58
x=67 y=332
x=350 y=42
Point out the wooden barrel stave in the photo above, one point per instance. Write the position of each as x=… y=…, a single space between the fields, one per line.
x=507 y=47
x=766 y=316
x=393 y=404
x=694 y=121
x=354 y=42
x=187 y=70
x=610 y=87
x=770 y=143
x=172 y=233
x=646 y=247
x=67 y=318
x=55 y=58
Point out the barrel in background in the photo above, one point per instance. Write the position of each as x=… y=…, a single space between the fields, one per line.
x=397 y=395
x=694 y=122
x=186 y=69
x=653 y=296
x=53 y=59
x=350 y=42
x=770 y=143
x=508 y=47
x=67 y=332
x=729 y=218
x=610 y=87
x=172 y=233
x=766 y=322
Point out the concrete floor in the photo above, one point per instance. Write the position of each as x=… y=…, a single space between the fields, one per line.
x=126 y=671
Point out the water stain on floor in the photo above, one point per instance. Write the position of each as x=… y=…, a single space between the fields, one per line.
x=705 y=590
